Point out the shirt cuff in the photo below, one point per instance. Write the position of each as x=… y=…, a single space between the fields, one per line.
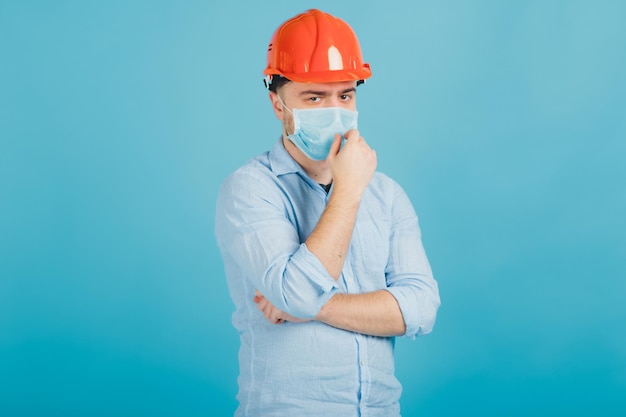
x=413 y=312
x=305 y=301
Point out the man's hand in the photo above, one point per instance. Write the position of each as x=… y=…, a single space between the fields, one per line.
x=271 y=313
x=353 y=166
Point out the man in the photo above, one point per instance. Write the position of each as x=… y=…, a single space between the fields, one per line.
x=323 y=254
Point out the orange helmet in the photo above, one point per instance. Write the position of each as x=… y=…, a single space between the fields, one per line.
x=315 y=47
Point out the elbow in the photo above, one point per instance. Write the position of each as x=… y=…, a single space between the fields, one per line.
x=297 y=295
x=419 y=306
x=298 y=283
x=305 y=301
x=300 y=308
x=428 y=317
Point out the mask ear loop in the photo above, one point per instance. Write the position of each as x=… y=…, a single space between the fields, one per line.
x=295 y=119
x=283 y=104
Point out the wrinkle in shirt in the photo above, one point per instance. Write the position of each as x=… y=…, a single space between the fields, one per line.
x=265 y=211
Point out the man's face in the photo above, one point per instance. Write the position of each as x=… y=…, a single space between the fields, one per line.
x=312 y=95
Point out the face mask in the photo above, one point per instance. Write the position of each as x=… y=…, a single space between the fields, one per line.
x=315 y=129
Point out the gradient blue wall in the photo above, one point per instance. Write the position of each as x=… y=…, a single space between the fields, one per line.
x=505 y=121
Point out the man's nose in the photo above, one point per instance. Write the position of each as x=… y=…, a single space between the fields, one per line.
x=333 y=102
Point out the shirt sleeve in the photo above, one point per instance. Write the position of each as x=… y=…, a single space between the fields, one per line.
x=408 y=273
x=253 y=229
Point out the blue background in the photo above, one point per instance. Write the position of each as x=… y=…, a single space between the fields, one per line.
x=505 y=122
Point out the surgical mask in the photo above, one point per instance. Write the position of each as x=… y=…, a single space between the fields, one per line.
x=315 y=129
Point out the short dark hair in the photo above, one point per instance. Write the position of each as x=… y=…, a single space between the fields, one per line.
x=275 y=82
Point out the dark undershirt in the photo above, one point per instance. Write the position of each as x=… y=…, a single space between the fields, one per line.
x=326 y=187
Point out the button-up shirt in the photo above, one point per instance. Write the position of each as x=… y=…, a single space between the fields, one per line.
x=265 y=212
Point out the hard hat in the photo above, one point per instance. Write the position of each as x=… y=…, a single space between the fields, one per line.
x=315 y=47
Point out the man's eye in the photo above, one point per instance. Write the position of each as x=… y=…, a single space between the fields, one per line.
x=346 y=97
x=314 y=99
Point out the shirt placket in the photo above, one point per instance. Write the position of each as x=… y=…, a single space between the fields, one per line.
x=352 y=286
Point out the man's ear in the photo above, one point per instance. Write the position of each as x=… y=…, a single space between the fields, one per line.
x=276 y=105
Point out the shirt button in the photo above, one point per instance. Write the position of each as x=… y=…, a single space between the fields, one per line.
x=349 y=280
x=362 y=363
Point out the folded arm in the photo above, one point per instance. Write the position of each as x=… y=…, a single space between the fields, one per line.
x=374 y=313
x=409 y=303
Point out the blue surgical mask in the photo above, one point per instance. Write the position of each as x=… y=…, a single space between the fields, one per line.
x=315 y=129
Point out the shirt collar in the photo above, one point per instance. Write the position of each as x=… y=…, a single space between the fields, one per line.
x=281 y=162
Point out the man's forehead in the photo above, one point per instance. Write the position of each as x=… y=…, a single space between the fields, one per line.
x=340 y=86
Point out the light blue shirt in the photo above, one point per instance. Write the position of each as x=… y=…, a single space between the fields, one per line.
x=265 y=212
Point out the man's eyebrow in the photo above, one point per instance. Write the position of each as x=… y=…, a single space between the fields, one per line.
x=325 y=93
x=313 y=92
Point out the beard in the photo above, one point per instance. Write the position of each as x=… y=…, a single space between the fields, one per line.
x=288 y=125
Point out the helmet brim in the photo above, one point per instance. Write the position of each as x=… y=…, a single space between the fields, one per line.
x=325 y=76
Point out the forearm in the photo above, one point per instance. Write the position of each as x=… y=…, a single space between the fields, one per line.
x=352 y=168
x=330 y=239
x=375 y=313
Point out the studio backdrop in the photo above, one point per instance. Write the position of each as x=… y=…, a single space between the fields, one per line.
x=504 y=121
